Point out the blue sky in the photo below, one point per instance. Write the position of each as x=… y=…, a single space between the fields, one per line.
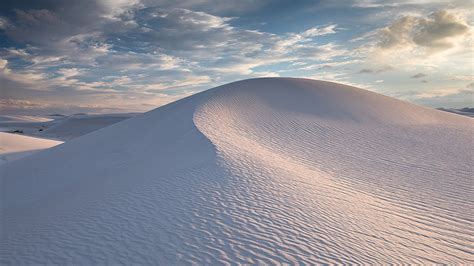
x=135 y=55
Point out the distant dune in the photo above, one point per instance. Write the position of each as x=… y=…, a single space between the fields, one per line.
x=23 y=118
x=60 y=127
x=463 y=111
x=14 y=146
x=260 y=171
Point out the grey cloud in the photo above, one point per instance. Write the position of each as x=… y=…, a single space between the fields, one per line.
x=434 y=31
x=376 y=71
x=138 y=52
x=419 y=75
x=46 y=22
x=90 y=33
x=398 y=33
x=179 y=29
x=366 y=70
x=4 y=23
x=36 y=26
x=211 y=6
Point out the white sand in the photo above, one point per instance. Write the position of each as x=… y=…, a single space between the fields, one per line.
x=266 y=171
x=14 y=146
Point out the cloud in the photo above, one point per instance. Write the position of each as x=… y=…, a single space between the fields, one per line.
x=419 y=75
x=3 y=63
x=376 y=70
x=146 y=52
x=3 y=23
x=456 y=98
x=212 y=6
x=383 y=3
x=38 y=27
x=439 y=92
x=69 y=72
x=439 y=31
x=157 y=34
x=397 y=34
x=104 y=52
x=318 y=31
x=400 y=44
x=24 y=107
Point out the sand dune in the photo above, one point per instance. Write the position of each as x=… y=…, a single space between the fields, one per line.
x=77 y=125
x=60 y=127
x=13 y=146
x=23 y=118
x=271 y=170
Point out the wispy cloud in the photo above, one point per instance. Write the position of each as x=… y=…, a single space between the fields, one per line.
x=377 y=70
x=140 y=53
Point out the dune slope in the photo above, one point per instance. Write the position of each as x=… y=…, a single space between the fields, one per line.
x=258 y=171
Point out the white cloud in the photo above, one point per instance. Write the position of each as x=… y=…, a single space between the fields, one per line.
x=438 y=43
x=3 y=23
x=438 y=92
x=3 y=63
x=318 y=31
x=69 y=72
x=440 y=31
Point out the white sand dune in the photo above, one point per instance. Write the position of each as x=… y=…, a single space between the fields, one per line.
x=23 y=118
x=272 y=170
x=77 y=125
x=13 y=146
x=62 y=128
x=463 y=111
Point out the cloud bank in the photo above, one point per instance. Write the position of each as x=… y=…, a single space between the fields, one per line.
x=136 y=55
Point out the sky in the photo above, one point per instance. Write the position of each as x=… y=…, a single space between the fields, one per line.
x=135 y=55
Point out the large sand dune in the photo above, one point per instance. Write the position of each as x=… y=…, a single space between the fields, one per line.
x=272 y=170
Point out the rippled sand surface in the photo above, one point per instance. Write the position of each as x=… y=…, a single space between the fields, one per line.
x=272 y=170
